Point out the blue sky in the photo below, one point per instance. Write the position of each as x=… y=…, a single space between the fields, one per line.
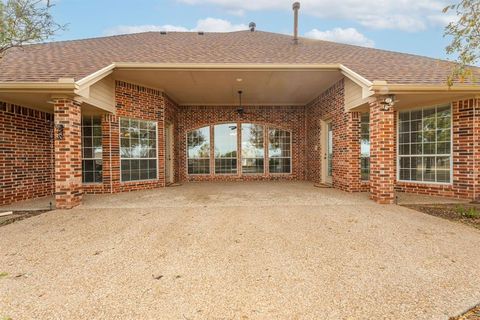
x=413 y=26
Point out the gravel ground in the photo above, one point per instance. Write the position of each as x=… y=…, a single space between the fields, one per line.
x=237 y=251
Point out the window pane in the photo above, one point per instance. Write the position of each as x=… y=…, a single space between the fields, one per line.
x=87 y=141
x=404 y=163
x=415 y=137
x=91 y=149
x=198 y=151
x=279 y=165
x=279 y=145
x=443 y=135
x=443 y=175
x=253 y=150
x=138 y=149
x=404 y=174
x=198 y=166
x=429 y=145
x=225 y=146
x=443 y=163
x=365 y=145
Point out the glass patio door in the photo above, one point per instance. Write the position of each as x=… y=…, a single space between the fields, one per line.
x=328 y=155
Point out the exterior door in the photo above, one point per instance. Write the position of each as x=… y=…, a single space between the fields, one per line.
x=169 y=175
x=327 y=151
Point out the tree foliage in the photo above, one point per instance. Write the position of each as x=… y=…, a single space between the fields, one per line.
x=24 y=22
x=465 y=34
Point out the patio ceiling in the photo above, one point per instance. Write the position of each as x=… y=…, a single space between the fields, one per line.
x=220 y=87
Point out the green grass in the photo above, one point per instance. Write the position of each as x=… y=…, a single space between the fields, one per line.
x=470 y=213
x=3 y=274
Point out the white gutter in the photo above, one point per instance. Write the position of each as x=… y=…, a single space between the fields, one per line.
x=382 y=87
x=62 y=86
x=225 y=66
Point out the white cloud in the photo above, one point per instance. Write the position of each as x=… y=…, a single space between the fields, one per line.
x=218 y=25
x=406 y=15
x=207 y=25
x=348 y=35
x=442 y=19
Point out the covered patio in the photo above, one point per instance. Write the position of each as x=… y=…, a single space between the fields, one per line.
x=280 y=122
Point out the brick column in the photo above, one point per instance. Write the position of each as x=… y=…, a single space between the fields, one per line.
x=476 y=155
x=382 y=154
x=110 y=157
x=346 y=152
x=68 y=153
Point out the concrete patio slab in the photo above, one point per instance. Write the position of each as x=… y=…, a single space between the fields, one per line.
x=238 y=251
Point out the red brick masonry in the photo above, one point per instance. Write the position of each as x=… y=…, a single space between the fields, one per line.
x=68 y=153
x=26 y=153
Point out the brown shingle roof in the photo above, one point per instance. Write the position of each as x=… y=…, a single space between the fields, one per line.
x=79 y=58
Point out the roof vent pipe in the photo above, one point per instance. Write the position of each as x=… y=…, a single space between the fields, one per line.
x=252 y=26
x=296 y=7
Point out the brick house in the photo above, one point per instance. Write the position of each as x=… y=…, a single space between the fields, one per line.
x=146 y=110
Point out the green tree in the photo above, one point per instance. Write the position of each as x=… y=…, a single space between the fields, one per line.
x=465 y=34
x=24 y=22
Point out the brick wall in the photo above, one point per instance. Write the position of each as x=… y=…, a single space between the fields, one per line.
x=330 y=106
x=291 y=118
x=26 y=153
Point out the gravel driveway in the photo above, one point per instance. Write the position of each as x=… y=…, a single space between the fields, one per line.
x=237 y=251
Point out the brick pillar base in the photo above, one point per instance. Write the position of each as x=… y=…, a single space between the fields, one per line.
x=68 y=153
x=382 y=154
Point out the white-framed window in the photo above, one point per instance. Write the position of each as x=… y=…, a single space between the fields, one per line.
x=253 y=148
x=425 y=145
x=138 y=149
x=198 y=151
x=365 y=146
x=225 y=146
x=91 y=149
x=279 y=151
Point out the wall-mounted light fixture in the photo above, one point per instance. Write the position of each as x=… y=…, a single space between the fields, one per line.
x=60 y=129
x=388 y=102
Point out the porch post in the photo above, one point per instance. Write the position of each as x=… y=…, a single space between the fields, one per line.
x=382 y=153
x=110 y=147
x=68 y=153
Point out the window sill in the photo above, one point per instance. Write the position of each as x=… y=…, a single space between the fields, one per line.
x=425 y=183
x=139 y=181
